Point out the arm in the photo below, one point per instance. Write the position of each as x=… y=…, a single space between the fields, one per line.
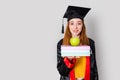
x=94 y=70
x=64 y=66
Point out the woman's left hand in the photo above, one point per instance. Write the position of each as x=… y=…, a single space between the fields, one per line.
x=77 y=56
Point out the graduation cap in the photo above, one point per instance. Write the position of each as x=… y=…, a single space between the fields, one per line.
x=75 y=12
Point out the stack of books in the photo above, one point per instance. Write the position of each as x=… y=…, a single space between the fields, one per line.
x=75 y=50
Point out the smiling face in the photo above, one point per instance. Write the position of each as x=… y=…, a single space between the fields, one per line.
x=75 y=26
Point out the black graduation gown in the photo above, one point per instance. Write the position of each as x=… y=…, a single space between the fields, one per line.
x=64 y=70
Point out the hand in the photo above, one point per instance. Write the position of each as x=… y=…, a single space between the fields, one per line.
x=78 y=57
x=70 y=57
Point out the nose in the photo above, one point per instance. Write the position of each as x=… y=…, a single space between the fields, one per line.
x=75 y=26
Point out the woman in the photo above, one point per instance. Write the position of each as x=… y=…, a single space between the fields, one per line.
x=71 y=67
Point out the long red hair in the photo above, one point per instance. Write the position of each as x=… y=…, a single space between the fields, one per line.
x=83 y=37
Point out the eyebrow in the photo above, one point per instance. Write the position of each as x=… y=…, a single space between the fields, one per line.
x=79 y=21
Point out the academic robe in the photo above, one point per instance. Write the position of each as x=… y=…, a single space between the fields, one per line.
x=64 y=70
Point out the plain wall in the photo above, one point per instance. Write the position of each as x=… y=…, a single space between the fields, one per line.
x=30 y=30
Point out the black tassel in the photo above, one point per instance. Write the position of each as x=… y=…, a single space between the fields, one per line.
x=62 y=28
x=62 y=25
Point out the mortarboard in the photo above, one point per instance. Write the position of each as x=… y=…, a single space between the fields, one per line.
x=75 y=12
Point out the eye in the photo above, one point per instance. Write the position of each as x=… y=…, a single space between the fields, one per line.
x=79 y=23
x=71 y=23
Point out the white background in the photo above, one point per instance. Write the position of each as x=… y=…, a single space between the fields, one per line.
x=30 y=30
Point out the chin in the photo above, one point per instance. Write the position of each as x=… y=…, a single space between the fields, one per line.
x=77 y=33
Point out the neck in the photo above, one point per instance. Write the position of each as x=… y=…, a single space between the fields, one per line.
x=76 y=36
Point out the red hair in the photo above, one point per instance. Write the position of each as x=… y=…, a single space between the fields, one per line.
x=83 y=37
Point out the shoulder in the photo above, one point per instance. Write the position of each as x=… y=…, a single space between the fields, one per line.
x=92 y=42
x=59 y=43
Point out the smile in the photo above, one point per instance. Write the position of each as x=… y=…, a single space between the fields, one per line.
x=75 y=31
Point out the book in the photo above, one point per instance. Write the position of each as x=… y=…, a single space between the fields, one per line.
x=75 y=50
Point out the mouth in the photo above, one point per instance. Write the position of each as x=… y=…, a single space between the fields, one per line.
x=75 y=31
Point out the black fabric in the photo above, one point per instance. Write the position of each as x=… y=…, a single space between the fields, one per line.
x=64 y=70
x=76 y=12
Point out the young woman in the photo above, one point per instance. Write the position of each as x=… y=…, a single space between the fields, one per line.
x=72 y=67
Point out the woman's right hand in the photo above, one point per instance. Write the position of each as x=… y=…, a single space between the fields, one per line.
x=70 y=57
